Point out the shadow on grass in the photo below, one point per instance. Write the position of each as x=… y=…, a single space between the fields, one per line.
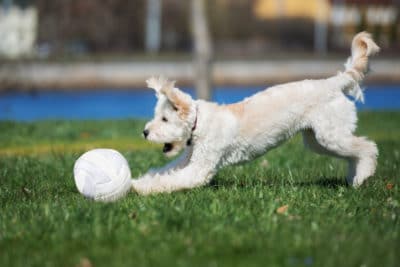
x=331 y=182
x=323 y=182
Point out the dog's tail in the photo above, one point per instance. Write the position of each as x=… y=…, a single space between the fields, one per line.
x=357 y=66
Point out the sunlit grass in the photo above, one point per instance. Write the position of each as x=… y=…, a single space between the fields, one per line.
x=235 y=221
x=77 y=146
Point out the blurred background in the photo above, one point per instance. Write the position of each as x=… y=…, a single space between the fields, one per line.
x=89 y=59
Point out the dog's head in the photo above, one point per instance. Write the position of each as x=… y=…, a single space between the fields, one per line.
x=174 y=116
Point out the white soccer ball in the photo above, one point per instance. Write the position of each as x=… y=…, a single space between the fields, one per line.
x=102 y=174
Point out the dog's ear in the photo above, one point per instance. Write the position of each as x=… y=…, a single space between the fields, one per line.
x=156 y=83
x=180 y=101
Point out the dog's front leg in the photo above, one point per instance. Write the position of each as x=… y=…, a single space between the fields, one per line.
x=191 y=176
x=176 y=164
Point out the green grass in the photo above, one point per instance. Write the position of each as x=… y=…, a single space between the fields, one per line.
x=234 y=221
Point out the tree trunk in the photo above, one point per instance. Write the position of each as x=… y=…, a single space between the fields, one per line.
x=202 y=50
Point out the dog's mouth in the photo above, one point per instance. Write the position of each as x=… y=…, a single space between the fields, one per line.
x=172 y=149
x=168 y=147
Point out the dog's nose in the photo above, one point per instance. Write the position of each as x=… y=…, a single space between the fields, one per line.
x=145 y=133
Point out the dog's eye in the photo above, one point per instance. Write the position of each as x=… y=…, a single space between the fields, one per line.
x=164 y=119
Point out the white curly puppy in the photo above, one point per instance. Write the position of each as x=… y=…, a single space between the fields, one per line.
x=214 y=136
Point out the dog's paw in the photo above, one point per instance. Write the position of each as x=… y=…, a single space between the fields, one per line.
x=148 y=184
x=142 y=186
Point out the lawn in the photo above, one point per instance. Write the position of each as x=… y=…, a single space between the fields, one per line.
x=287 y=208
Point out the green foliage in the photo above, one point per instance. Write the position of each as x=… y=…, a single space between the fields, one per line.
x=234 y=221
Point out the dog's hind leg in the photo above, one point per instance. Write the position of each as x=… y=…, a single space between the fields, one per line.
x=360 y=153
x=311 y=143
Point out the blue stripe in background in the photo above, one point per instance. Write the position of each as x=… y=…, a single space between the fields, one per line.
x=121 y=104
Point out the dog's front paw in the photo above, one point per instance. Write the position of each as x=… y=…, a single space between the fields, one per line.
x=145 y=184
x=142 y=185
x=148 y=184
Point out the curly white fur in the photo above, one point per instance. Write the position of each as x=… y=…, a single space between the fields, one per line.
x=222 y=135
